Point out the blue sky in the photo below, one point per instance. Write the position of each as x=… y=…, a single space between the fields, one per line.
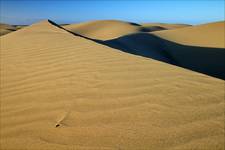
x=139 y=11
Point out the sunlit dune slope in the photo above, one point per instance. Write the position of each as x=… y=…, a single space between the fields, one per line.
x=108 y=29
x=60 y=91
x=165 y=25
x=206 y=35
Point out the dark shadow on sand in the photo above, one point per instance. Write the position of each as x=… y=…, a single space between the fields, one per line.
x=210 y=61
x=206 y=60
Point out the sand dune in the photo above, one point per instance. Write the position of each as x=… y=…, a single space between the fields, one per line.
x=206 y=35
x=142 y=44
x=199 y=48
x=6 y=28
x=109 y=29
x=204 y=44
x=207 y=60
x=61 y=91
x=165 y=25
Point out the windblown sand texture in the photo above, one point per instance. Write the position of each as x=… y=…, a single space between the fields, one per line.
x=60 y=91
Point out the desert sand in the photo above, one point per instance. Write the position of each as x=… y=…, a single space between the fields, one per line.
x=6 y=28
x=103 y=29
x=61 y=91
x=166 y=26
x=205 y=35
x=110 y=29
x=204 y=44
x=170 y=43
x=198 y=48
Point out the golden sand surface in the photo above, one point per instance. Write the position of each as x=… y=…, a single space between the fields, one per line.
x=63 y=92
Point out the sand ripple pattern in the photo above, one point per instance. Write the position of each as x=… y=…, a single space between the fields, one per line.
x=59 y=91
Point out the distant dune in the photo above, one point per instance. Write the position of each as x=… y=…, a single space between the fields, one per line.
x=6 y=28
x=109 y=29
x=166 y=26
x=206 y=35
x=200 y=48
x=61 y=91
x=103 y=29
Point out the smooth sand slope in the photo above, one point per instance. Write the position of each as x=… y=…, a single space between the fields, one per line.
x=60 y=91
x=206 y=35
x=166 y=26
x=110 y=29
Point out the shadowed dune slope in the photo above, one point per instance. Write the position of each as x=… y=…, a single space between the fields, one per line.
x=204 y=44
x=108 y=29
x=200 y=48
x=205 y=52
x=5 y=28
x=206 y=60
x=142 y=44
x=60 y=91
